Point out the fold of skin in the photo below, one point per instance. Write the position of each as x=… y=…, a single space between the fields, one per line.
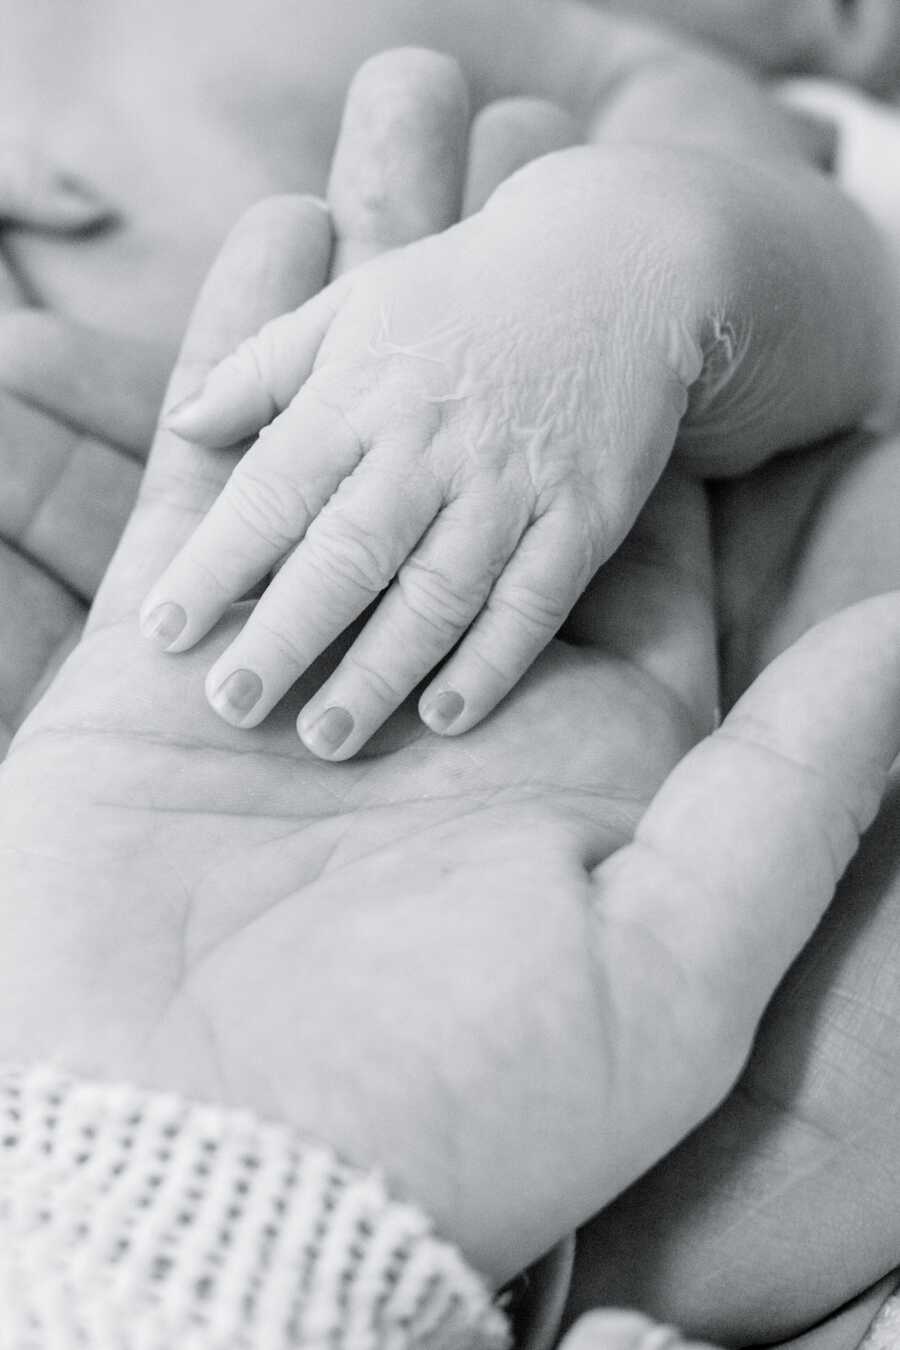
x=857 y=41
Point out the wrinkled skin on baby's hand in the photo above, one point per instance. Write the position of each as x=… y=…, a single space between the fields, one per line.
x=481 y=416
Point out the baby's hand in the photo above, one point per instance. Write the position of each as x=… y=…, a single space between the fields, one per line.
x=458 y=442
x=479 y=419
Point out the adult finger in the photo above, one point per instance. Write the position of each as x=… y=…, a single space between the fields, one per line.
x=396 y=177
x=103 y=384
x=734 y=863
x=38 y=620
x=66 y=494
x=508 y=134
x=398 y=168
x=275 y=258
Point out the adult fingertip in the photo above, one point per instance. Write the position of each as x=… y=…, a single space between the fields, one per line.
x=508 y=134
x=398 y=167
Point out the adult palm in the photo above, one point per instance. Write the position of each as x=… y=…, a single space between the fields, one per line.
x=414 y=955
x=423 y=899
x=446 y=957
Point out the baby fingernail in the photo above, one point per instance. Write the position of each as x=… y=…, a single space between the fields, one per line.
x=164 y=624
x=183 y=407
x=442 y=711
x=238 y=694
x=329 y=731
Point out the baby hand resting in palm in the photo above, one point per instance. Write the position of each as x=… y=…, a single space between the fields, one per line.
x=465 y=430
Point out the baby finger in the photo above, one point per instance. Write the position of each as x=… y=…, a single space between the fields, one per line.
x=349 y=555
x=437 y=593
x=265 y=508
x=525 y=609
x=259 y=378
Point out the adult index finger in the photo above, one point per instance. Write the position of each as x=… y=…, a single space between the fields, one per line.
x=398 y=167
x=275 y=258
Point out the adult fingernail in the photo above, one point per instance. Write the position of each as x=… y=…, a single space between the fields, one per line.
x=443 y=710
x=329 y=732
x=164 y=624
x=238 y=694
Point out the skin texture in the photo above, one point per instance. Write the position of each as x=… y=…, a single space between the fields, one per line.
x=857 y=41
x=271 y=955
x=469 y=451
x=802 y=1155
x=815 y=566
x=171 y=136
x=71 y=444
x=180 y=133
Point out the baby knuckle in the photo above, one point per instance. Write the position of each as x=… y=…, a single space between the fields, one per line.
x=434 y=598
x=489 y=659
x=270 y=506
x=276 y=635
x=379 y=686
x=539 y=612
x=349 y=557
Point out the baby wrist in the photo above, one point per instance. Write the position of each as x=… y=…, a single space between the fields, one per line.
x=137 y=1219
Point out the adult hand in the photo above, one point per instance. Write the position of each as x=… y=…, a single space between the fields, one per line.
x=437 y=957
x=77 y=411
x=783 y=1207
x=798 y=1218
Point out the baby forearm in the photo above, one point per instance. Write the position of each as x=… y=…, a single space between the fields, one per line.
x=761 y=287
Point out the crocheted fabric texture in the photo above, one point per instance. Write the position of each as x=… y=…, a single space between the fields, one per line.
x=138 y=1221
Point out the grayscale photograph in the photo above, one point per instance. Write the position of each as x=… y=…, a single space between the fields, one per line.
x=449 y=674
